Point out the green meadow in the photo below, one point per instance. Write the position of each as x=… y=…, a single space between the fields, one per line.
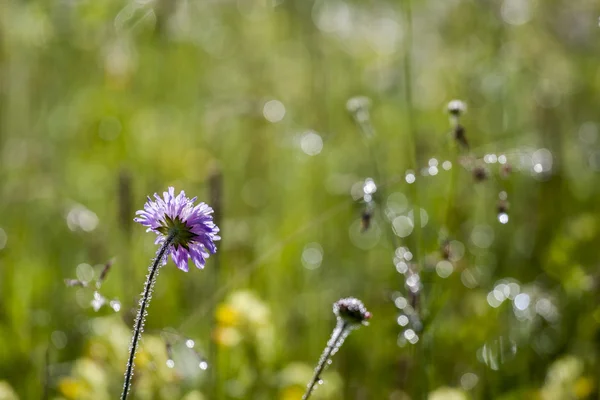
x=320 y=133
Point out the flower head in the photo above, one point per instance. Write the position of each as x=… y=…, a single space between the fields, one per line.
x=191 y=228
x=457 y=107
x=357 y=103
x=351 y=311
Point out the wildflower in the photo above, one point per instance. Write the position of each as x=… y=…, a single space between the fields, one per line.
x=351 y=313
x=190 y=227
x=71 y=388
x=357 y=103
x=457 y=107
x=184 y=231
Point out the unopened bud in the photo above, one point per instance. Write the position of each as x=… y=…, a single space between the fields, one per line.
x=352 y=311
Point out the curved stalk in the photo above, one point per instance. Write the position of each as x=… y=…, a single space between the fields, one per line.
x=337 y=337
x=140 y=319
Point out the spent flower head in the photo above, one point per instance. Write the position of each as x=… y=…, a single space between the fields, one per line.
x=457 y=107
x=359 y=108
x=351 y=311
x=357 y=103
x=190 y=226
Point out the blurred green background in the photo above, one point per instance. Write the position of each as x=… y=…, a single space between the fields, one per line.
x=243 y=104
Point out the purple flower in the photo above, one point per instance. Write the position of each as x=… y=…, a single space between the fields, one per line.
x=191 y=227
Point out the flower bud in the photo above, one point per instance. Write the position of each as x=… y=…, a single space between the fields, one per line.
x=352 y=311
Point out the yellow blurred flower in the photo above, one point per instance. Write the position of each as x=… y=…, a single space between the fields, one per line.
x=292 y=393
x=583 y=387
x=227 y=337
x=71 y=388
x=245 y=317
x=142 y=358
x=253 y=310
x=227 y=315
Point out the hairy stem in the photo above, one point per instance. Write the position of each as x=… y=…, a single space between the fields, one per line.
x=342 y=329
x=140 y=319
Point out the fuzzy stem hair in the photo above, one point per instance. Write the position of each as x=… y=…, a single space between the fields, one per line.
x=140 y=319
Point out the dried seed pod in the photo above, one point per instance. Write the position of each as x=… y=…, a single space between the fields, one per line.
x=460 y=136
x=502 y=206
x=479 y=174
x=365 y=220
x=505 y=170
x=446 y=250
x=104 y=272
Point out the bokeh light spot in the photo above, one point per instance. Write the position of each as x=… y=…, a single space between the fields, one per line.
x=444 y=268
x=274 y=111
x=311 y=143
x=482 y=236
x=312 y=256
x=402 y=226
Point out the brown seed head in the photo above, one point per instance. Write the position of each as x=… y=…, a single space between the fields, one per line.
x=479 y=174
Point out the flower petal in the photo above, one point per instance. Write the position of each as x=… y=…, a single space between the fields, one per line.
x=180 y=258
x=198 y=256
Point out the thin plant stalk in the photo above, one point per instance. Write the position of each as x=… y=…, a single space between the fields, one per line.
x=351 y=313
x=140 y=319
x=185 y=231
x=45 y=395
x=410 y=120
x=216 y=198
x=451 y=189
x=407 y=71
x=368 y=132
x=342 y=329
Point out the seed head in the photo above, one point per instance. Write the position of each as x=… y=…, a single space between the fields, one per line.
x=480 y=174
x=457 y=107
x=502 y=206
x=357 y=103
x=351 y=311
